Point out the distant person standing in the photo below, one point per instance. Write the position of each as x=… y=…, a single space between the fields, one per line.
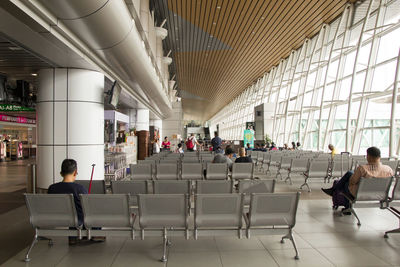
x=191 y=143
x=216 y=141
x=166 y=144
x=156 y=145
x=298 y=145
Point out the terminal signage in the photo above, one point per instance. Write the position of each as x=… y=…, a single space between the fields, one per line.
x=7 y=118
x=8 y=107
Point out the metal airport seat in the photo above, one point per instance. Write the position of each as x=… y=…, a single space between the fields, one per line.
x=190 y=160
x=111 y=211
x=393 y=164
x=242 y=170
x=171 y=187
x=371 y=192
x=260 y=158
x=218 y=211
x=317 y=169
x=141 y=171
x=394 y=203
x=192 y=171
x=297 y=165
x=98 y=186
x=277 y=210
x=339 y=167
x=217 y=171
x=284 y=165
x=214 y=187
x=163 y=212
x=132 y=188
x=254 y=155
x=50 y=214
x=248 y=187
x=167 y=171
x=274 y=160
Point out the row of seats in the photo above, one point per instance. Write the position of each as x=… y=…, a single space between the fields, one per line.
x=214 y=214
x=376 y=192
x=147 y=170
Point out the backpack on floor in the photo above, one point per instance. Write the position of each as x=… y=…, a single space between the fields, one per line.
x=338 y=199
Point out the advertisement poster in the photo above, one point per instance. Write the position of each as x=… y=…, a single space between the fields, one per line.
x=248 y=138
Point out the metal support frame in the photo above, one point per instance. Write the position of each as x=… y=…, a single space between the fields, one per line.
x=392 y=138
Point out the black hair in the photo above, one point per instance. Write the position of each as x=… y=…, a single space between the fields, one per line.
x=179 y=145
x=165 y=137
x=298 y=144
x=248 y=144
x=68 y=166
x=228 y=151
x=216 y=133
x=374 y=152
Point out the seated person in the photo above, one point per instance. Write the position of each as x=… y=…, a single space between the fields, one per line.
x=242 y=156
x=220 y=158
x=273 y=147
x=248 y=148
x=349 y=182
x=333 y=150
x=69 y=171
x=219 y=150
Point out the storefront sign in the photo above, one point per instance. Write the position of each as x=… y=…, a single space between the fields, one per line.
x=7 y=107
x=7 y=118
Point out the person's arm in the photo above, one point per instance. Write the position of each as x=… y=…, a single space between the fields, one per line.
x=355 y=178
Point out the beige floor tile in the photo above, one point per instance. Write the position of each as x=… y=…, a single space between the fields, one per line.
x=234 y=243
x=253 y=258
x=194 y=259
x=274 y=242
x=308 y=258
x=327 y=240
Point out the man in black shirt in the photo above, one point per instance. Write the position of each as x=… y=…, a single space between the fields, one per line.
x=216 y=141
x=69 y=170
x=242 y=156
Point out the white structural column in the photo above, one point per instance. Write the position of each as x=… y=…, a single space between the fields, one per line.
x=70 y=110
x=142 y=119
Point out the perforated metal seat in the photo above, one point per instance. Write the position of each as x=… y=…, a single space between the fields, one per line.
x=217 y=171
x=214 y=187
x=167 y=171
x=132 y=188
x=248 y=187
x=141 y=171
x=297 y=165
x=394 y=201
x=98 y=186
x=192 y=171
x=242 y=170
x=317 y=169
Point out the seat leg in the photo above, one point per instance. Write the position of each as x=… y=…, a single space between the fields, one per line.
x=394 y=231
x=288 y=178
x=397 y=230
x=165 y=244
x=305 y=184
x=278 y=173
x=35 y=239
x=291 y=238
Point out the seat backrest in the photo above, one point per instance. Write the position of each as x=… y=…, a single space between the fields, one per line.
x=299 y=164
x=190 y=154
x=190 y=160
x=98 y=186
x=396 y=190
x=192 y=171
x=163 y=210
x=141 y=171
x=242 y=170
x=257 y=186
x=51 y=210
x=276 y=157
x=133 y=188
x=111 y=210
x=318 y=168
x=370 y=189
x=214 y=187
x=286 y=160
x=217 y=171
x=218 y=210
x=171 y=187
x=273 y=209
x=393 y=164
x=167 y=171
x=260 y=156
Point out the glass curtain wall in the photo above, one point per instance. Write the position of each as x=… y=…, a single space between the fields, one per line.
x=340 y=87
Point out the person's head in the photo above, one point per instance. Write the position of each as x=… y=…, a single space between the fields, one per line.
x=293 y=144
x=248 y=145
x=285 y=146
x=166 y=138
x=242 y=152
x=257 y=145
x=192 y=134
x=373 y=154
x=272 y=144
x=229 y=152
x=69 y=169
x=331 y=147
x=298 y=144
x=179 y=145
x=215 y=134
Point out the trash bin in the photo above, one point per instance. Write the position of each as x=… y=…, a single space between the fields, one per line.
x=31 y=179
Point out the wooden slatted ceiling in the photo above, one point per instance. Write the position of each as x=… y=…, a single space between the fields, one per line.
x=253 y=36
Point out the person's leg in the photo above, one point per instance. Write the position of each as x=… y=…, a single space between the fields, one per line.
x=343 y=183
x=340 y=185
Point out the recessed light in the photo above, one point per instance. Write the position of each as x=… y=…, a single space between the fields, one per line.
x=34 y=74
x=211 y=36
x=15 y=48
x=253 y=32
x=214 y=23
x=262 y=18
x=218 y=7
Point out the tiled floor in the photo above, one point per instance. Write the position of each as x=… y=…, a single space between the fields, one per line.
x=323 y=237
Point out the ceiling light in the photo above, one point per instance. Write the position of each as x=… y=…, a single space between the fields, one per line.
x=218 y=7
x=214 y=23
x=253 y=32
x=262 y=18
x=211 y=36
x=34 y=74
